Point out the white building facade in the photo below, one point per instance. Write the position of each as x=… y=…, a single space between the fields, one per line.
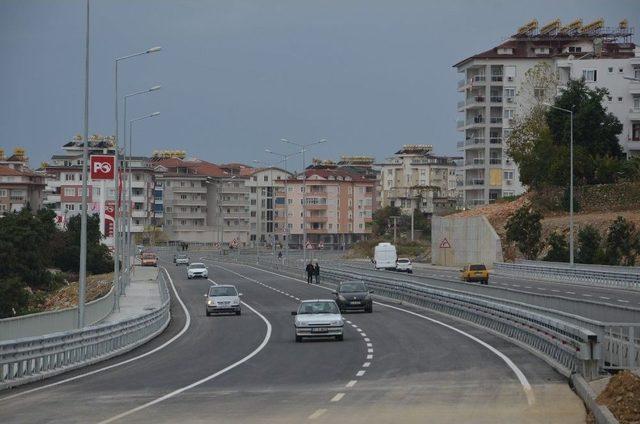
x=494 y=94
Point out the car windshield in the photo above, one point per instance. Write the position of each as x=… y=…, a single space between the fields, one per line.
x=182 y=256
x=321 y=307
x=477 y=268
x=196 y=265
x=222 y=291
x=148 y=255
x=352 y=287
x=403 y=261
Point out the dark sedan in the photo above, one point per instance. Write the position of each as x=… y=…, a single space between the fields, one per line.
x=353 y=295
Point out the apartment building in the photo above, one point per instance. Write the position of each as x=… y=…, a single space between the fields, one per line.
x=19 y=186
x=339 y=206
x=202 y=202
x=415 y=178
x=493 y=94
x=267 y=204
x=63 y=191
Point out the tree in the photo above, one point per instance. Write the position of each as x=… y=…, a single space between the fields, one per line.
x=559 y=249
x=524 y=229
x=98 y=256
x=14 y=297
x=380 y=221
x=540 y=140
x=589 y=246
x=622 y=243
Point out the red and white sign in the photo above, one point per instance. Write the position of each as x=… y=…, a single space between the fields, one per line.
x=444 y=244
x=321 y=245
x=109 y=218
x=309 y=246
x=102 y=167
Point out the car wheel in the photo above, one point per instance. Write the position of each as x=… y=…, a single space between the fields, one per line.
x=206 y=313
x=369 y=309
x=298 y=339
x=238 y=312
x=188 y=278
x=410 y=271
x=340 y=337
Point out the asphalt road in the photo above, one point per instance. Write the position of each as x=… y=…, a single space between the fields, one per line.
x=396 y=364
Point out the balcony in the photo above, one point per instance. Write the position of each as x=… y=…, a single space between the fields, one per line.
x=235 y=202
x=235 y=215
x=236 y=228
x=460 y=124
x=188 y=215
x=317 y=231
x=460 y=144
x=312 y=207
x=496 y=78
x=138 y=213
x=495 y=120
x=495 y=161
x=495 y=140
x=139 y=199
x=475 y=162
x=188 y=202
x=496 y=99
x=461 y=105
x=475 y=202
x=52 y=198
x=475 y=182
x=317 y=218
x=317 y=193
x=481 y=79
x=202 y=190
x=477 y=141
x=634 y=114
x=139 y=184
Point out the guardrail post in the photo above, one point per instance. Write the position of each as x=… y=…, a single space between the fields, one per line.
x=631 y=351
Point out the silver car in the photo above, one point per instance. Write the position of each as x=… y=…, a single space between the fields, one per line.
x=197 y=270
x=182 y=259
x=318 y=318
x=223 y=298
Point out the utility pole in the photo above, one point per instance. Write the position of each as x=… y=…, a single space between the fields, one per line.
x=412 y=214
x=395 y=226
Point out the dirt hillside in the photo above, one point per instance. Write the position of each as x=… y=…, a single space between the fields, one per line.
x=66 y=297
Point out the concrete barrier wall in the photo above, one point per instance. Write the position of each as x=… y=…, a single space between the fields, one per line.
x=460 y=241
x=54 y=321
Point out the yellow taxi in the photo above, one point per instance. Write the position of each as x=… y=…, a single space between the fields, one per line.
x=475 y=272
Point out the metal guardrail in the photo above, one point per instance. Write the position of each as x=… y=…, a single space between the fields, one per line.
x=570 y=347
x=35 y=358
x=576 y=274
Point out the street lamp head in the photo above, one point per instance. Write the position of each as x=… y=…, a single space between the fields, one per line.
x=154 y=49
x=155 y=88
x=154 y=114
x=268 y=151
x=324 y=140
x=284 y=140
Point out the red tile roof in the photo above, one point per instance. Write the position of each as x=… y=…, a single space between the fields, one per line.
x=7 y=171
x=199 y=167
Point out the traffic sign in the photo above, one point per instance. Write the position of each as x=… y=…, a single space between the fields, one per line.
x=444 y=244
x=102 y=167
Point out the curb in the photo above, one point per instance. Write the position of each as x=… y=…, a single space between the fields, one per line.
x=600 y=412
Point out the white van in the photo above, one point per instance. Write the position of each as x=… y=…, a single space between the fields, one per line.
x=385 y=256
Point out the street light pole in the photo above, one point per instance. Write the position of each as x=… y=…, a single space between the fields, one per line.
x=571 y=238
x=284 y=158
x=126 y=209
x=303 y=150
x=82 y=274
x=128 y=247
x=116 y=206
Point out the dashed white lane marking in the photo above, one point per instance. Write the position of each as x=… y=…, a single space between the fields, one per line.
x=359 y=330
x=556 y=291
x=348 y=322
x=370 y=350
x=369 y=345
x=317 y=414
x=366 y=365
x=360 y=373
x=367 y=339
x=570 y=292
x=604 y=297
x=623 y=301
x=516 y=285
x=369 y=356
x=337 y=397
x=527 y=287
x=187 y=323
x=540 y=288
x=354 y=326
x=586 y=295
x=351 y=383
x=363 y=335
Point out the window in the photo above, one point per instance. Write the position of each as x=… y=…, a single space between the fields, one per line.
x=620 y=70
x=509 y=113
x=609 y=98
x=590 y=75
x=70 y=207
x=636 y=102
x=266 y=178
x=69 y=191
x=575 y=49
x=620 y=99
x=69 y=177
x=636 y=73
x=635 y=132
x=610 y=69
x=3 y=193
x=508 y=175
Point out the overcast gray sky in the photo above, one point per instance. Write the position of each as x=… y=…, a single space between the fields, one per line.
x=237 y=76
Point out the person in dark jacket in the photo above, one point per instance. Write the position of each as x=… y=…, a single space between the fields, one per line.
x=316 y=272
x=310 y=271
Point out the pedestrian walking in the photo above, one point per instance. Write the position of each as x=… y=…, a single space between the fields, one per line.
x=316 y=272
x=310 y=271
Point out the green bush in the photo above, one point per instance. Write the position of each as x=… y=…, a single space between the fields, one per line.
x=622 y=243
x=525 y=230
x=590 y=246
x=559 y=249
x=14 y=297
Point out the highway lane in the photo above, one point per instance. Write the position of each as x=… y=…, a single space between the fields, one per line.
x=578 y=300
x=416 y=369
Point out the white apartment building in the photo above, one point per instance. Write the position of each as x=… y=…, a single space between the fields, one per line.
x=267 y=207
x=413 y=178
x=63 y=191
x=493 y=94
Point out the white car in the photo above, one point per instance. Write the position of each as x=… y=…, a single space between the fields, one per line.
x=197 y=270
x=222 y=299
x=182 y=259
x=318 y=318
x=404 y=265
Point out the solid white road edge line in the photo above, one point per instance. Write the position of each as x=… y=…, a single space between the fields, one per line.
x=204 y=380
x=519 y=374
x=152 y=351
x=528 y=390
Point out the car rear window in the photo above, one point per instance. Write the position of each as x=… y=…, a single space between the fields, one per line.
x=321 y=307
x=403 y=261
x=148 y=255
x=355 y=287
x=222 y=291
x=477 y=268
